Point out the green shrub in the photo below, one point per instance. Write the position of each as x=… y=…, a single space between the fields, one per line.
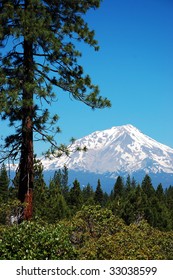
x=32 y=240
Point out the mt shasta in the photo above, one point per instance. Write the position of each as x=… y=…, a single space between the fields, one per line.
x=121 y=150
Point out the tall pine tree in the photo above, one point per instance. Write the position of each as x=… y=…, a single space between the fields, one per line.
x=39 y=53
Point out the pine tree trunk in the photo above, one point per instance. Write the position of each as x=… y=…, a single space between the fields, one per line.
x=26 y=161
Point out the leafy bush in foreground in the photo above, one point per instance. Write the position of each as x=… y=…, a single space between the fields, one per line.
x=32 y=240
x=93 y=233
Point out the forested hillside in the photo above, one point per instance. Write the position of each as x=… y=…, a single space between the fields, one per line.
x=133 y=222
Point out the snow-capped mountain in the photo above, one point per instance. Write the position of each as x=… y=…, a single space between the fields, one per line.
x=119 y=149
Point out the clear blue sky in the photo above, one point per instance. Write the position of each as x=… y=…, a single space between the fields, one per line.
x=134 y=69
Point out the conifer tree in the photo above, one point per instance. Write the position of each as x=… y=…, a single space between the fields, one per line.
x=128 y=184
x=99 y=196
x=64 y=182
x=88 y=195
x=133 y=183
x=117 y=194
x=147 y=186
x=4 y=183
x=169 y=202
x=56 y=180
x=160 y=193
x=39 y=56
x=133 y=208
x=56 y=205
x=40 y=192
x=4 y=193
x=75 y=196
x=118 y=187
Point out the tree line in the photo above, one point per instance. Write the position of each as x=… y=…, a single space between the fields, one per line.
x=131 y=201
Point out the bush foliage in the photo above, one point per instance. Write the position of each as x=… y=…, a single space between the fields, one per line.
x=93 y=233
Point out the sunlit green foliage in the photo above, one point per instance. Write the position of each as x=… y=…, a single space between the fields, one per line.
x=40 y=241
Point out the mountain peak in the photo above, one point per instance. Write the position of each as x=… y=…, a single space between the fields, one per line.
x=127 y=127
x=122 y=128
x=118 y=149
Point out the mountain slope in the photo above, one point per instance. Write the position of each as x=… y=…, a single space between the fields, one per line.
x=121 y=149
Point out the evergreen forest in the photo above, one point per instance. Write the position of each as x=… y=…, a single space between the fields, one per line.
x=134 y=221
